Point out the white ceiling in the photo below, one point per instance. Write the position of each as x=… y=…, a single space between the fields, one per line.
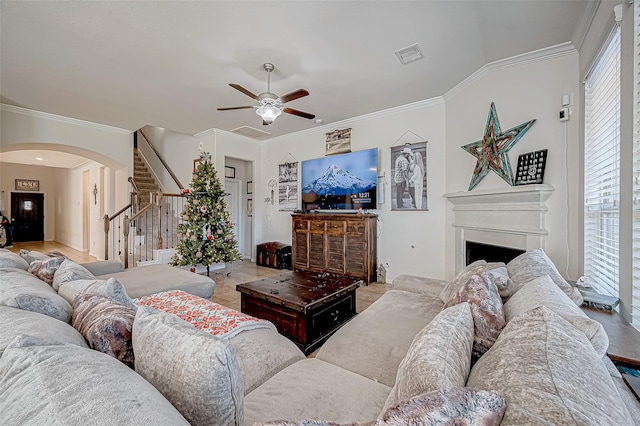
x=42 y=158
x=134 y=63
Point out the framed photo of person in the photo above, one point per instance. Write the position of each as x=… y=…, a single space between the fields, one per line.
x=409 y=177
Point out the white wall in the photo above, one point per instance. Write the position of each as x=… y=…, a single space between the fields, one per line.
x=111 y=163
x=412 y=242
x=521 y=93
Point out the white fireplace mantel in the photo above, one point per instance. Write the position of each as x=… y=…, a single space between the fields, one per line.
x=510 y=217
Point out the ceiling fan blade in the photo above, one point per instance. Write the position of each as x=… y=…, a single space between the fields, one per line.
x=299 y=113
x=230 y=108
x=243 y=90
x=293 y=95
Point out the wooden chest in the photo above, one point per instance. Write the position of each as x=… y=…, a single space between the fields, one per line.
x=306 y=307
x=274 y=255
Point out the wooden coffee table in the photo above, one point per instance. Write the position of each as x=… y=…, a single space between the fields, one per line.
x=307 y=307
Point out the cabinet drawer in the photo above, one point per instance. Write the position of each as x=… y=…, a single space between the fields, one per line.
x=355 y=227
x=316 y=225
x=301 y=224
x=326 y=318
x=335 y=226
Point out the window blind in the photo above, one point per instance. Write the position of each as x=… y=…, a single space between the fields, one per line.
x=602 y=168
x=635 y=301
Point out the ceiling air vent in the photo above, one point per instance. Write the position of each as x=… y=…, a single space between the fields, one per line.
x=409 y=54
x=250 y=132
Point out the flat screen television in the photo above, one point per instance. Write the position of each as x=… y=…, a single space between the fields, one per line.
x=340 y=182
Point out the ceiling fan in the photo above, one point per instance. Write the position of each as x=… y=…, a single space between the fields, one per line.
x=270 y=106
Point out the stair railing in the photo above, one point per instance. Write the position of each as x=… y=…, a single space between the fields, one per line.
x=164 y=163
x=155 y=224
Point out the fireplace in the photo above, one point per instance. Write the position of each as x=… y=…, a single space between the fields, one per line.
x=477 y=251
x=506 y=221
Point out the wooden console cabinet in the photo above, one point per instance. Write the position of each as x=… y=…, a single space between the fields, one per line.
x=343 y=244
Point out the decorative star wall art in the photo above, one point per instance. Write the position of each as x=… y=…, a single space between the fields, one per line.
x=492 y=150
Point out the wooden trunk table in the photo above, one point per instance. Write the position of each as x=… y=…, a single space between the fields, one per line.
x=307 y=307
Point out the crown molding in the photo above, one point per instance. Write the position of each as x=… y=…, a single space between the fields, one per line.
x=544 y=54
x=62 y=119
x=377 y=114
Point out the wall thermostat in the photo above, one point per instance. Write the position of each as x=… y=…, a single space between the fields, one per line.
x=563 y=115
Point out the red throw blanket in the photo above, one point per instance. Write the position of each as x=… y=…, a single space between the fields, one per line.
x=203 y=314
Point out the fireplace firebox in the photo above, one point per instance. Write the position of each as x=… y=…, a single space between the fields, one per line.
x=477 y=251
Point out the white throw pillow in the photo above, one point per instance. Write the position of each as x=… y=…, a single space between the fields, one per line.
x=196 y=371
x=70 y=271
x=111 y=288
x=439 y=356
x=46 y=383
x=549 y=373
x=543 y=291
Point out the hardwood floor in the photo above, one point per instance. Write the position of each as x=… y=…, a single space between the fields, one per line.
x=47 y=246
x=225 y=292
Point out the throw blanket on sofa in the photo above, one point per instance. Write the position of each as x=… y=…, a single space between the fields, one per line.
x=203 y=314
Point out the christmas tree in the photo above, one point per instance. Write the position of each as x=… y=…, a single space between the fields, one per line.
x=206 y=235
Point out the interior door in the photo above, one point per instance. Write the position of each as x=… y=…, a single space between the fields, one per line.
x=233 y=197
x=27 y=216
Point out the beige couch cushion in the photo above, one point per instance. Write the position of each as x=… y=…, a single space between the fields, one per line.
x=261 y=353
x=543 y=291
x=63 y=384
x=415 y=284
x=374 y=343
x=439 y=357
x=17 y=321
x=196 y=371
x=9 y=259
x=549 y=373
x=314 y=389
x=534 y=264
x=146 y=280
x=19 y=289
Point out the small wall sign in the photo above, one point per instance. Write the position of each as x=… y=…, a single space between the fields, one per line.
x=27 y=185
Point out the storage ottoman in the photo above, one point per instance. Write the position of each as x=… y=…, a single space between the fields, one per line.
x=274 y=255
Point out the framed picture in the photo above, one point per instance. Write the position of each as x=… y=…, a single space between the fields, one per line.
x=27 y=185
x=409 y=174
x=229 y=172
x=338 y=142
x=249 y=207
x=249 y=187
x=196 y=163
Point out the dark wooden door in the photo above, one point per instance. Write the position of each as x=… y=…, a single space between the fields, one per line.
x=27 y=215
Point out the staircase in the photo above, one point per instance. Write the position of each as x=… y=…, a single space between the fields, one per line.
x=144 y=179
x=154 y=231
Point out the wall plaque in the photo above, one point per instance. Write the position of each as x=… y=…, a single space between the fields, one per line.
x=27 y=185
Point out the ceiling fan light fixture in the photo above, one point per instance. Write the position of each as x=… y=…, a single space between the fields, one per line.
x=268 y=113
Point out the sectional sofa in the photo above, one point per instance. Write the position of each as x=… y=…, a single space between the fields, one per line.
x=499 y=344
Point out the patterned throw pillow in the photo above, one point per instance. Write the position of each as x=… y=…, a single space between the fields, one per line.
x=477 y=267
x=106 y=325
x=46 y=268
x=486 y=307
x=70 y=271
x=451 y=406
